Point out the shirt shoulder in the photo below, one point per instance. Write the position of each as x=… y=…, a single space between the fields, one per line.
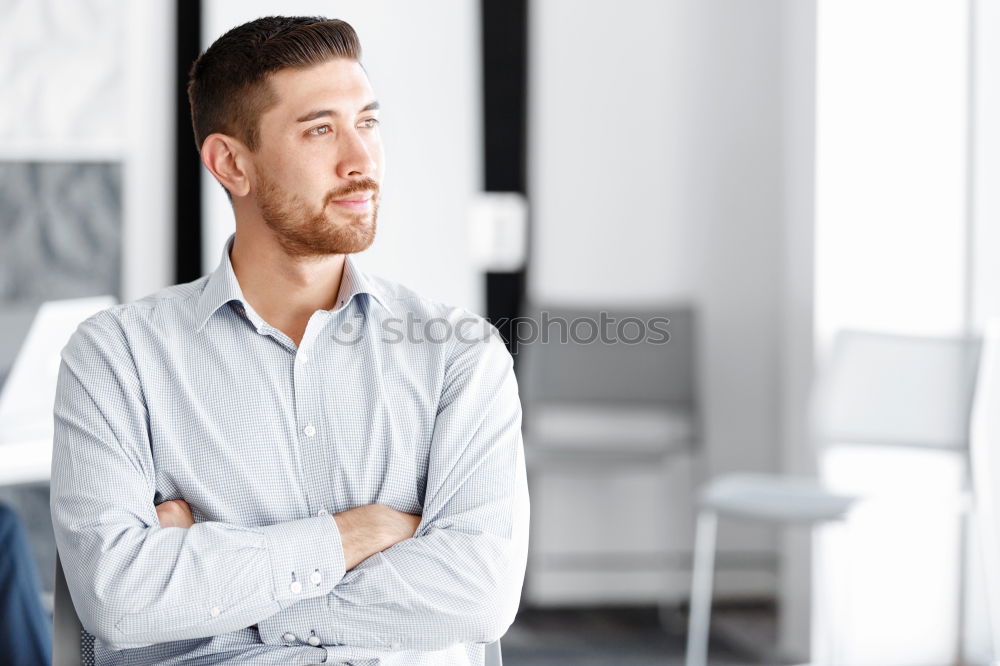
x=176 y=300
x=161 y=310
x=169 y=306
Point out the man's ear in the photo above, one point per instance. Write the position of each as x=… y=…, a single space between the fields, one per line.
x=225 y=157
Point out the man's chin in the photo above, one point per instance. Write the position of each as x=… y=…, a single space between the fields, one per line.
x=353 y=237
x=360 y=226
x=342 y=218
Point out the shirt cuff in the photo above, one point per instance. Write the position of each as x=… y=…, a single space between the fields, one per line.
x=307 y=558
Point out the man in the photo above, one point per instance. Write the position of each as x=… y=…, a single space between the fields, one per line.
x=289 y=461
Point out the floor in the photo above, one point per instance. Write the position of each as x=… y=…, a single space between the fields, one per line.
x=634 y=637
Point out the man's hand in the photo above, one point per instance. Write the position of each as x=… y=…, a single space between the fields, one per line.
x=366 y=530
x=174 y=513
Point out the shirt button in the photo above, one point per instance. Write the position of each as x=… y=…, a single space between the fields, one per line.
x=394 y=645
x=316 y=578
x=295 y=587
x=215 y=611
x=322 y=512
x=309 y=431
x=314 y=640
x=303 y=358
x=289 y=638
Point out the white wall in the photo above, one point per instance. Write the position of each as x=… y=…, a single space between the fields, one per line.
x=424 y=64
x=891 y=166
x=985 y=146
x=655 y=168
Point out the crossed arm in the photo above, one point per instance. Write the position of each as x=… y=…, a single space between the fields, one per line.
x=137 y=582
x=364 y=530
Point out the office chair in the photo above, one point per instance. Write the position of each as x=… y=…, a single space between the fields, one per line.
x=611 y=407
x=73 y=646
x=878 y=389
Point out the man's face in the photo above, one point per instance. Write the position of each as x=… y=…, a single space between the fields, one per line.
x=319 y=164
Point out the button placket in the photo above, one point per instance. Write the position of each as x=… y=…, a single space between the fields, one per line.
x=311 y=438
x=304 y=409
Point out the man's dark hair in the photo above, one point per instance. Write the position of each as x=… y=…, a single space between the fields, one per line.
x=228 y=87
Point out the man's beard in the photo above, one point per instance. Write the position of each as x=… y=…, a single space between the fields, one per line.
x=305 y=233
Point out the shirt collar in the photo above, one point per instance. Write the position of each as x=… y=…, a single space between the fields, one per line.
x=355 y=281
x=223 y=287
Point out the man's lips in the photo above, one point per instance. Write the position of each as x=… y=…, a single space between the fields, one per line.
x=355 y=201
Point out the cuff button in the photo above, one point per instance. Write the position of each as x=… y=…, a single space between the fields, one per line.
x=314 y=641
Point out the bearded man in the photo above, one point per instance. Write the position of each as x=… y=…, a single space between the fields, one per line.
x=290 y=461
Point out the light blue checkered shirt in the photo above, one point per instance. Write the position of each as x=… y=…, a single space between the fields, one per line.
x=390 y=398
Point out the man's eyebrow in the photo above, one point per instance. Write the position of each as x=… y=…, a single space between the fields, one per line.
x=324 y=113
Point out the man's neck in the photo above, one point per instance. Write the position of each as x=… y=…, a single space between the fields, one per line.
x=285 y=291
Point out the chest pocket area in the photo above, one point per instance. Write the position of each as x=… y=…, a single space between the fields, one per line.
x=382 y=434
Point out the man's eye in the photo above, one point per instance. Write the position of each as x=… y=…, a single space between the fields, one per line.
x=322 y=129
x=371 y=122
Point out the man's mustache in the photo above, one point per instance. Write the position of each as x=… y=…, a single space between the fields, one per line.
x=361 y=185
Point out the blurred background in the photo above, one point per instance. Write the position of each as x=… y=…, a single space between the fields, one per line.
x=805 y=188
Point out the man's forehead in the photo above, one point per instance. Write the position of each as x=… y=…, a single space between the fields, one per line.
x=340 y=85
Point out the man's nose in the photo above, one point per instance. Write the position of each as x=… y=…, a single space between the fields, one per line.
x=356 y=158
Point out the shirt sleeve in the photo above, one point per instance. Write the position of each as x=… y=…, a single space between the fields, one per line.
x=133 y=582
x=458 y=580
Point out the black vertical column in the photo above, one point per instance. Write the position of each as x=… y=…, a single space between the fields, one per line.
x=505 y=94
x=187 y=165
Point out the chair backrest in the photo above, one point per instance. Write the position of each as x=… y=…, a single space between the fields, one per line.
x=984 y=456
x=632 y=364
x=888 y=389
x=493 y=657
x=71 y=645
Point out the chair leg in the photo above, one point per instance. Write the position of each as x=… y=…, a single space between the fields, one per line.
x=701 y=589
x=831 y=600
